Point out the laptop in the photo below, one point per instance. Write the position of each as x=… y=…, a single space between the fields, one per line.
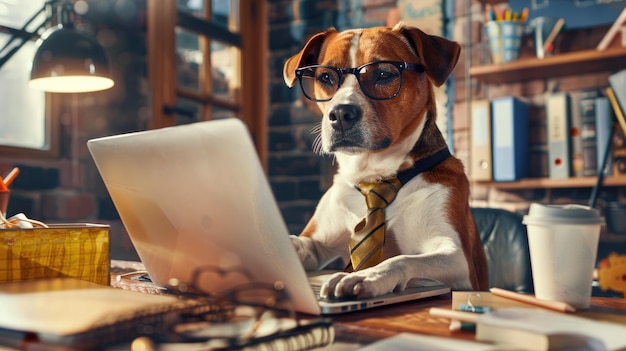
x=196 y=195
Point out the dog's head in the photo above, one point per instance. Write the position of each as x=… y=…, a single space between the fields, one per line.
x=397 y=68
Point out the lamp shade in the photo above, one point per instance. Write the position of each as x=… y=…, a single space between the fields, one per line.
x=69 y=62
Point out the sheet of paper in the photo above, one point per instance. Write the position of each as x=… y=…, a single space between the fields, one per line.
x=418 y=342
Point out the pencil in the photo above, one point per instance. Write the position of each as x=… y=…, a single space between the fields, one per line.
x=524 y=14
x=531 y=300
x=11 y=176
x=548 y=44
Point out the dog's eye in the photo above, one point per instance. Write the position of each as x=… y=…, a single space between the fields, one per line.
x=326 y=78
x=383 y=77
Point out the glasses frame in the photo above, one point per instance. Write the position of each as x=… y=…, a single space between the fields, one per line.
x=400 y=65
x=223 y=309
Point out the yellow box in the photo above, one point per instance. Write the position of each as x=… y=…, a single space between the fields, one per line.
x=79 y=251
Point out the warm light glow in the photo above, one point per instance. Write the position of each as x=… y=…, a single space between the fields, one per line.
x=71 y=84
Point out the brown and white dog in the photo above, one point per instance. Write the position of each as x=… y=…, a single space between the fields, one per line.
x=430 y=233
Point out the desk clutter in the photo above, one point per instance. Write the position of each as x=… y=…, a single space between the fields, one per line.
x=72 y=314
x=30 y=249
x=518 y=321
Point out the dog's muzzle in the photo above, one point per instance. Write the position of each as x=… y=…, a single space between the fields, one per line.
x=344 y=117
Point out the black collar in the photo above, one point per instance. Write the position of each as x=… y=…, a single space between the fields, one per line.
x=423 y=165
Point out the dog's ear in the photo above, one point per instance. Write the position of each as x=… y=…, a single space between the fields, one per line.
x=307 y=56
x=439 y=55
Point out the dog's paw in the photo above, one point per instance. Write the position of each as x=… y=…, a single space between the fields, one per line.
x=361 y=284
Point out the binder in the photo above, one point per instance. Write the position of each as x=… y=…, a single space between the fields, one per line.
x=509 y=122
x=617 y=81
x=481 y=166
x=559 y=141
x=604 y=133
x=619 y=139
x=583 y=132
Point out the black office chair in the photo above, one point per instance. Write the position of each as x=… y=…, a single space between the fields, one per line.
x=506 y=245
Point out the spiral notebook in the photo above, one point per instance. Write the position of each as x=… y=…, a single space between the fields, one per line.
x=82 y=315
x=196 y=195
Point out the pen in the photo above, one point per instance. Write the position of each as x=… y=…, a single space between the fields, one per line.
x=529 y=299
x=11 y=176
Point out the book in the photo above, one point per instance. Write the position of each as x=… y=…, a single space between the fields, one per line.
x=77 y=314
x=617 y=96
x=604 y=135
x=481 y=162
x=538 y=329
x=559 y=141
x=619 y=139
x=509 y=122
x=417 y=342
x=583 y=132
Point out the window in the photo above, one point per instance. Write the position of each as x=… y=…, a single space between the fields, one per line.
x=207 y=61
x=25 y=120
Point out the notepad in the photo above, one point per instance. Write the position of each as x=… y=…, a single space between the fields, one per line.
x=77 y=312
x=537 y=329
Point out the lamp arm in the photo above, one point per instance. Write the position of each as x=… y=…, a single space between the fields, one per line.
x=25 y=35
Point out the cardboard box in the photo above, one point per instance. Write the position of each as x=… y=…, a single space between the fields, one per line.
x=80 y=251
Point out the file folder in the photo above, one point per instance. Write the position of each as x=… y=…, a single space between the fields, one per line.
x=604 y=133
x=481 y=161
x=509 y=121
x=559 y=140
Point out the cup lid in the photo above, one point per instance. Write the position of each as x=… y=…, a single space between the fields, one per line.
x=562 y=214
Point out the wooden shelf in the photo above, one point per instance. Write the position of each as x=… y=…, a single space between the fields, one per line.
x=545 y=183
x=572 y=63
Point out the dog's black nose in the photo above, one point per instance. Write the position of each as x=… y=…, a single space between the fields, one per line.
x=343 y=117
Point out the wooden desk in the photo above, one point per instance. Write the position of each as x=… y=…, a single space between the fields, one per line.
x=364 y=327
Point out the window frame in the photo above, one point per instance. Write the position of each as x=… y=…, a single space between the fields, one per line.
x=252 y=107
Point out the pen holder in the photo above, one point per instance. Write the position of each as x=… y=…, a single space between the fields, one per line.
x=78 y=251
x=505 y=38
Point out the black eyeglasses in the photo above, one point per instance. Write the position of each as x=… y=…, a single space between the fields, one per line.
x=379 y=80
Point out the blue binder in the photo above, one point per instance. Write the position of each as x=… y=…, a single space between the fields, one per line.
x=510 y=139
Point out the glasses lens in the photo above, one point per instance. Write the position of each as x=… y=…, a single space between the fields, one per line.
x=319 y=83
x=380 y=80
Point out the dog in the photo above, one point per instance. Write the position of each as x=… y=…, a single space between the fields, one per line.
x=375 y=129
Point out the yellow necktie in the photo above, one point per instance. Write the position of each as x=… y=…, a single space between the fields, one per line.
x=368 y=238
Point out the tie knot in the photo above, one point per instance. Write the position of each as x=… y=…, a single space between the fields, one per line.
x=380 y=194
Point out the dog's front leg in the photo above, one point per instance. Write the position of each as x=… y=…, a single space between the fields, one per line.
x=327 y=235
x=307 y=252
x=315 y=253
x=399 y=272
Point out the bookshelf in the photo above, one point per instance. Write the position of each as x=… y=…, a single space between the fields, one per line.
x=572 y=63
x=565 y=64
x=549 y=183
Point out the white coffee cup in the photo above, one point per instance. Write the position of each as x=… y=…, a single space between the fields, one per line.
x=563 y=243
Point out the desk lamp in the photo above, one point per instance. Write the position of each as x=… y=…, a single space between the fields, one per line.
x=66 y=61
